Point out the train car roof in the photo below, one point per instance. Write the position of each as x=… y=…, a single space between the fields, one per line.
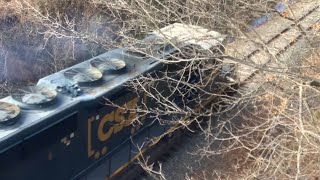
x=33 y=119
x=185 y=34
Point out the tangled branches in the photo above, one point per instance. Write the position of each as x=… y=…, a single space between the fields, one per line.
x=268 y=127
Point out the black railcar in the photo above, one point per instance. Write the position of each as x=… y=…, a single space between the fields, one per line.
x=74 y=134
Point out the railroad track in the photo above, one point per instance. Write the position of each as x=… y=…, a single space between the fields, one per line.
x=178 y=144
x=278 y=43
x=275 y=45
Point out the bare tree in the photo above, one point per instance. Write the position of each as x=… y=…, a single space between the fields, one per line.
x=267 y=126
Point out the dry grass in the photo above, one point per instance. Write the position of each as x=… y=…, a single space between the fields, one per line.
x=272 y=133
x=310 y=67
x=39 y=37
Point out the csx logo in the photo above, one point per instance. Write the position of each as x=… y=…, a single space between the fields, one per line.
x=121 y=117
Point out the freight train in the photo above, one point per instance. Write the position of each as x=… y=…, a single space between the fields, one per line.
x=80 y=123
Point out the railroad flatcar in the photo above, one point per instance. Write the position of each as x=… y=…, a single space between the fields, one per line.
x=80 y=123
